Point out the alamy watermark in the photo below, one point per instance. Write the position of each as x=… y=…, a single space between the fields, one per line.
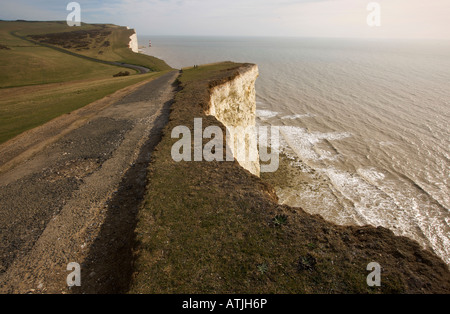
x=374 y=278
x=374 y=17
x=245 y=144
x=74 y=278
x=74 y=17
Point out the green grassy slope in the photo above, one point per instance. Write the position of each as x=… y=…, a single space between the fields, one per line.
x=102 y=41
x=26 y=69
x=23 y=63
x=23 y=108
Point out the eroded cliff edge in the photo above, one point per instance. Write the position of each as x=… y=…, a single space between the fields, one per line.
x=133 y=44
x=214 y=227
x=233 y=103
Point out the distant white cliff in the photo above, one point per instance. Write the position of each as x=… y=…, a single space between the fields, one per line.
x=234 y=104
x=133 y=45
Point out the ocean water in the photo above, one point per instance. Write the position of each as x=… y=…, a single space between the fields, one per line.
x=366 y=122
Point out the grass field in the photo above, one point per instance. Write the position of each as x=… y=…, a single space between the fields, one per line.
x=204 y=71
x=23 y=108
x=26 y=64
x=30 y=93
x=102 y=41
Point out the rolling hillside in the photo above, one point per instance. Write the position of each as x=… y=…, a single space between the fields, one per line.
x=34 y=56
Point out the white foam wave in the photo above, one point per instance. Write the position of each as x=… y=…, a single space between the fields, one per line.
x=266 y=114
x=371 y=175
x=302 y=142
x=367 y=200
x=366 y=196
x=380 y=202
x=297 y=116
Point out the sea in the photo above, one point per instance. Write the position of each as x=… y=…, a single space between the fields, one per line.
x=365 y=124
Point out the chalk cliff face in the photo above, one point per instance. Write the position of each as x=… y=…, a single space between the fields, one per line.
x=133 y=45
x=234 y=104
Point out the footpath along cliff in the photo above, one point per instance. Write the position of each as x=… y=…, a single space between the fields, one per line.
x=216 y=227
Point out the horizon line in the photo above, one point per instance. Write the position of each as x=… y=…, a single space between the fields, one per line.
x=249 y=36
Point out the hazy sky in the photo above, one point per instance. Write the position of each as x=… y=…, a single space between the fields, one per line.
x=306 y=18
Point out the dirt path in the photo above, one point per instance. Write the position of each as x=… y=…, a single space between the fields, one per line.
x=70 y=190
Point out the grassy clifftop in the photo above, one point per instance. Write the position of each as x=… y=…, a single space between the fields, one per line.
x=38 y=83
x=212 y=227
x=24 y=63
x=101 y=41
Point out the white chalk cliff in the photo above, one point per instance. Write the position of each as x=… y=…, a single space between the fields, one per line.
x=234 y=104
x=133 y=45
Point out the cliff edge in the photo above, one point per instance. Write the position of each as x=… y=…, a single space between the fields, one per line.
x=215 y=227
x=233 y=103
x=134 y=45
